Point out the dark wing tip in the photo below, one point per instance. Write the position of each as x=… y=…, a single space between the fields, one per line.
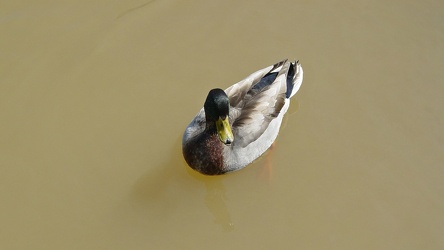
x=290 y=78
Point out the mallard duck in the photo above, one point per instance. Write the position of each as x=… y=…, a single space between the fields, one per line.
x=239 y=124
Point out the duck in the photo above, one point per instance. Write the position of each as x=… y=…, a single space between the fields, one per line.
x=238 y=124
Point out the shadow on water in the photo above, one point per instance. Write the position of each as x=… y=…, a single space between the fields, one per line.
x=175 y=186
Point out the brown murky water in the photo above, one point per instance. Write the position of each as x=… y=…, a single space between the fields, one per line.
x=94 y=98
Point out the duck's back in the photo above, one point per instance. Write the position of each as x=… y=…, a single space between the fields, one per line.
x=257 y=115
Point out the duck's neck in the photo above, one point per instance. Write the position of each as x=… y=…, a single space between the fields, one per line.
x=210 y=126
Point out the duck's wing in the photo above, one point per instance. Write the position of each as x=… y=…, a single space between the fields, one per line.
x=237 y=92
x=258 y=100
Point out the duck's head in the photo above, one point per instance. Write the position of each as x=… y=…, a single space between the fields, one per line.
x=217 y=110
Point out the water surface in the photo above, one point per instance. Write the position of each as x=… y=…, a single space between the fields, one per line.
x=95 y=96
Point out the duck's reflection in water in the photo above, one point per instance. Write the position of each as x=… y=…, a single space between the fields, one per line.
x=215 y=199
x=160 y=192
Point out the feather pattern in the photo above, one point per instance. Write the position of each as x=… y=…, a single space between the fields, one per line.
x=261 y=103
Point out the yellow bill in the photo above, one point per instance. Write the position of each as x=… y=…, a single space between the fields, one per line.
x=224 y=130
